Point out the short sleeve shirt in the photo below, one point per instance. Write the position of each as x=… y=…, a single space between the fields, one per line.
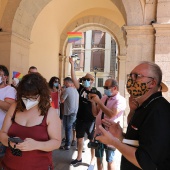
x=7 y=92
x=71 y=100
x=117 y=102
x=150 y=127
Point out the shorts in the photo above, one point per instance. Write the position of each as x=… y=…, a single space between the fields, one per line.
x=109 y=153
x=84 y=127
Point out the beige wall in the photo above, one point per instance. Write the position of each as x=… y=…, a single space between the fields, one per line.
x=2 y=7
x=45 y=43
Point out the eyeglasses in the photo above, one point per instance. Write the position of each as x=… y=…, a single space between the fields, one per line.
x=135 y=76
x=84 y=79
x=32 y=98
x=106 y=87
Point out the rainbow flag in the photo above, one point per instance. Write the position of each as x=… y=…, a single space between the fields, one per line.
x=17 y=75
x=74 y=36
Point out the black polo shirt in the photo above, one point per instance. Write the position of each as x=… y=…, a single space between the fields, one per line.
x=150 y=125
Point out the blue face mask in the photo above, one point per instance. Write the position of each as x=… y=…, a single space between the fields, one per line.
x=56 y=84
x=86 y=83
x=107 y=92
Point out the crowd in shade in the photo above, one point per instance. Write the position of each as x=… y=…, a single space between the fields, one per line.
x=34 y=111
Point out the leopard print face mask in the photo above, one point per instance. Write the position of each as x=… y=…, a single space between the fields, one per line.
x=137 y=89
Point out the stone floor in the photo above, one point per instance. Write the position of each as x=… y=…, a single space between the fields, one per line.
x=62 y=159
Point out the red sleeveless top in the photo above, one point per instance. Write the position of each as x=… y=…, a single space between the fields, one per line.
x=55 y=102
x=30 y=160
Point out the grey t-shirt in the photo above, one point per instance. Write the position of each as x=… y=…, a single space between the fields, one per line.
x=71 y=100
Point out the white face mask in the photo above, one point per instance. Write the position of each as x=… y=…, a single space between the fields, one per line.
x=29 y=103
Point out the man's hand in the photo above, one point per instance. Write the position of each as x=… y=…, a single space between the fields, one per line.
x=93 y=97
x=114 y=128
x=106 y=137
x=71 y=60
x=133 y=103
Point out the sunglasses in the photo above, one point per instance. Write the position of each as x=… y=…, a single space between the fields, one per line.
x=106 y=87
x=84 y=79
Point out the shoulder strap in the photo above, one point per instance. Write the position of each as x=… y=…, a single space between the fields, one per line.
x=102 y=116
x=13 y=116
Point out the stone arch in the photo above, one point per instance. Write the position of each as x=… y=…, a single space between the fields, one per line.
x=131 y=10
x=94 y=22
x=134 y=11
x=23 y=10
x=23 y=16
x=121 y=7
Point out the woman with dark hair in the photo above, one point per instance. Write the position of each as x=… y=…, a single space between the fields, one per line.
x=54 y=85
x=31 y=128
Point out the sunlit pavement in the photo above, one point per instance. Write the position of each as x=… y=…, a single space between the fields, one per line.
x=62 y=159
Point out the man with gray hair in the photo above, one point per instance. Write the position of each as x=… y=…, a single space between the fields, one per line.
x=70 y=98
x=111 y=106
x=146 y=142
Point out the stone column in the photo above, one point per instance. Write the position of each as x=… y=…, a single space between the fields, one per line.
x=163 y=12
x=19 y=57
x=122 y=82
x=67 y=67
x=122 y=74
x=88 y=52
x=61 y=68
x=140 y=45
x=14 y=53
x=107 y=54
x=162 y=53
x=162 y=48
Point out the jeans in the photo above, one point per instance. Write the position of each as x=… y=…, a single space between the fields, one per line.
x=68 y=121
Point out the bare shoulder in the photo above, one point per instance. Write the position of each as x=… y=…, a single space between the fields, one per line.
x=52 y=114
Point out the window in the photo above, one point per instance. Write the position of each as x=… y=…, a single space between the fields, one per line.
x=78 y=48
x=80 y=66
x=100 y=82
x=98 y=50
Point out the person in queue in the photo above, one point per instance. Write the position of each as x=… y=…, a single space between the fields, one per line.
x=32 y=69
x=55 y=91
x=7 y=98
x=145 y=145
x=85 y=122
x=70 y=98
x=31 y=128
x=112 y=106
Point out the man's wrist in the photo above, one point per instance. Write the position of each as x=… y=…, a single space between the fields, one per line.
x=122 y=137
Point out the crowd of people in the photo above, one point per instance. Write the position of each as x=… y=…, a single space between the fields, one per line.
x=31 y=111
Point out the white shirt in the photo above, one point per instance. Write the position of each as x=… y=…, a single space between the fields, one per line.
x=6 y=92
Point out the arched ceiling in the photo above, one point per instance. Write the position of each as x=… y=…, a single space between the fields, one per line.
x=19 y=15
x=134 y=12
x=14 y=13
